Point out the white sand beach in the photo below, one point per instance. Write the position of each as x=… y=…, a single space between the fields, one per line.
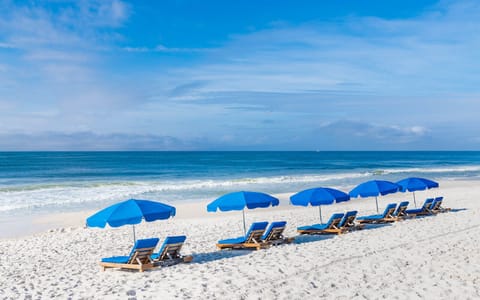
x=425 y=258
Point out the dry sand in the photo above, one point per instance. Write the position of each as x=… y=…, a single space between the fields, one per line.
x=426 y=258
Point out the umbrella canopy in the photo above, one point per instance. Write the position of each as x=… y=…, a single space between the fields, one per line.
x=131 y=212
x=318 y=197
x=413 y=184
x=240 y=201
x=374 y=188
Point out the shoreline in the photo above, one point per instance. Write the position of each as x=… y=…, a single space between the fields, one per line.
x=24 y=226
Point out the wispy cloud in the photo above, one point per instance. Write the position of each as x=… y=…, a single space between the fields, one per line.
x=349 y=128
x=85 y=141
x=6 y=46
x=165 y=49
x=284 y=87
x=389 y=57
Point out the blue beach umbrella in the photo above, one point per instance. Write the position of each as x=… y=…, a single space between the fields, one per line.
x=318 y=197
x=374 y=188
x=413 y=184
x=131 y=212
x=240 y=201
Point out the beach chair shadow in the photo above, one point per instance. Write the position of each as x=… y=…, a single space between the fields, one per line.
x=303 y=239
x=206 y=257
x=370 y=226
x=457 y=209
x=450 y=210
x=438 y=207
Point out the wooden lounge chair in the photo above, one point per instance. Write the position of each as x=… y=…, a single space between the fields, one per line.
x=331 y=227
x=386 y=217
x=434 y=208
x=274 y=234
x=251 y=240
x=422 y=211
x=169 y=253
x=400 y=211
x=139 y=258
x=348 y=221
x=438 y=208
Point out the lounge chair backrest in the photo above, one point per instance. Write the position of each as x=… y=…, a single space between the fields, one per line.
x=427 y=203
x=142 y=250
x=335 y=220
x=388 y=212
x=348 y=219
x=171 y=247
x=274 y=231
x=255 y=232
x=439 y=203
x=436 y=204
x=400 y=211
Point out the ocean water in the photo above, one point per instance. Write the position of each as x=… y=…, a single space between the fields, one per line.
x=36 y=182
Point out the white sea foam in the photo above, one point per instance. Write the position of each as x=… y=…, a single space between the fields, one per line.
x=46 y=195
x=86 y=194
x=458 y=169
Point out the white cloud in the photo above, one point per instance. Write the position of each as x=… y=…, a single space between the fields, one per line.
x=164 y=49
x=385 y=57
x=271 y=86
x=6 y=46
x=373 y=130
x=84 y=141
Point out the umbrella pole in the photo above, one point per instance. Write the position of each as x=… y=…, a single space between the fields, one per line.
x=414 y=201
x=244 y=227
x=134 y=239
x=376 y=203
x=320 y=212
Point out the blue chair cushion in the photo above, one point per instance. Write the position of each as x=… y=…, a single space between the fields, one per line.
x=144 y=243
x=116 y=259
x=346 y=216
x=168 y=241
x=238 y=240
x=243 y=239
x=414 y=211
x=273 y=225
x=400 y=206
x=321 y=226
x=139 y=244
x=371 y=217
x=332 y=218
x=256 y=226
x=381 y=216
x=309 y=227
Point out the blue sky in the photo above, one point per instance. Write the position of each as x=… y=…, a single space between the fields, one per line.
x=243 y=75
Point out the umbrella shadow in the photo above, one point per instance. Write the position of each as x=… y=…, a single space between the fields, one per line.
x=452 y=210
x=457 y=209
x=201 y=258
x=375 y=226
x=306 y=238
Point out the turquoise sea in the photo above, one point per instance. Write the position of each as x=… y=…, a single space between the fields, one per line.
x=32 y=182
